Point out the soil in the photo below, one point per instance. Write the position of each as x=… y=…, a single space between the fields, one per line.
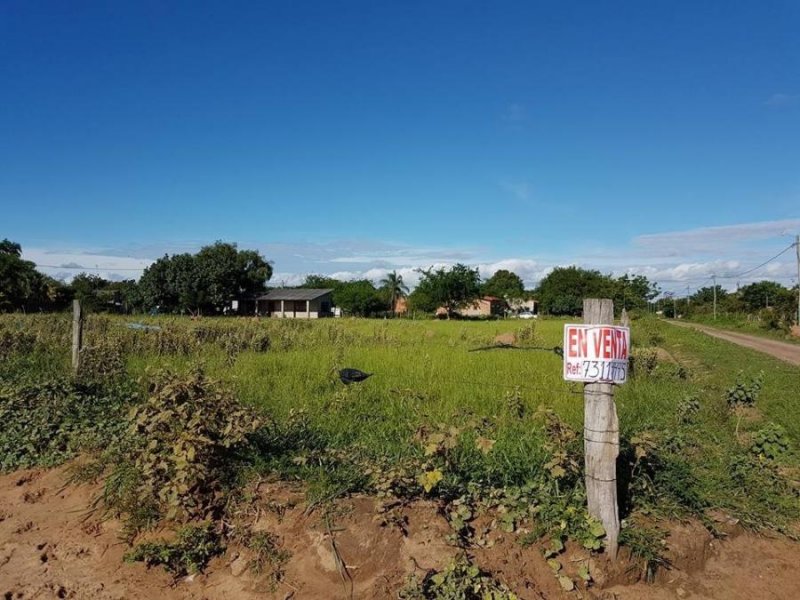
x=782 y=350
x=53 y=546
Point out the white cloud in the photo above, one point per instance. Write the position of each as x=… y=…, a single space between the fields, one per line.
x=715 y=240
x=674 y=258
x=66 y=264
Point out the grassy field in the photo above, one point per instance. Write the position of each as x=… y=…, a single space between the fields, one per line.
x=442 y=404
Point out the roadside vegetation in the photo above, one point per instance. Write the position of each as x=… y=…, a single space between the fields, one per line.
x=764 y=308
x=176 y=420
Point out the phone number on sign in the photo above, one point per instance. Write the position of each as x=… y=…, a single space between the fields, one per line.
x=598 y=370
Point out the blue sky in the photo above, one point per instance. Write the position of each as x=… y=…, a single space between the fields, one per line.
x=356 y=137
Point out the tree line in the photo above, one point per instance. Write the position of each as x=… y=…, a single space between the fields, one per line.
x=773 y=304
x=207 y=281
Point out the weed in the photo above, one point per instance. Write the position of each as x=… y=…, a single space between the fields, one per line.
x=189 y=553
x=647 y=547
x=770 y=442
x=643 y=361
x=461 y=580
x=744 y=392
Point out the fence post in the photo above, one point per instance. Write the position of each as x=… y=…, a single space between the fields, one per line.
x=601 y=438
x=77 y=335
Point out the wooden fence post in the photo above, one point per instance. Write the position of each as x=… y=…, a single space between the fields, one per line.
x=77 y=336
x=601 y=438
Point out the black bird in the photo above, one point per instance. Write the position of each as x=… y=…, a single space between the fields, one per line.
x=349 y=376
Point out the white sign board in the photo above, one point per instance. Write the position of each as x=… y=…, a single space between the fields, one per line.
x=596 y=353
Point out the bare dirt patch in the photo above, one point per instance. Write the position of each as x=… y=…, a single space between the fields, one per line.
x=362 y=548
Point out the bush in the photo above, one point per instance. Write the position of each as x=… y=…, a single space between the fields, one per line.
x=180 y=442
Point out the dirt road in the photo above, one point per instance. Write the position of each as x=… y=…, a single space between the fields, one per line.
x=781 y=350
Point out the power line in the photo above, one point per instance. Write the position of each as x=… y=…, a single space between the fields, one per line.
x=79 y=268
x=766 y=262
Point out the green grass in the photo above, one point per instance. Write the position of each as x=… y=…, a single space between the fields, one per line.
x=424 y=377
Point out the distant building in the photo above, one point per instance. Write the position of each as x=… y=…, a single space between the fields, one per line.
x=488 y=306
x=400 y=305
x=295 y=303
x=520 y=304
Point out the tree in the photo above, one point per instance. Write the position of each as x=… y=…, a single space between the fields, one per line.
x=320 y=282
x=359 y=298
x=87 y=288
x=504 y=284
x=448 y=288
x=204 y=282
x=762 y=295
x=634 y=291
x=563 y=290
x=394 y=287
x=705 y=295
x=22 y=287
x=10 y=248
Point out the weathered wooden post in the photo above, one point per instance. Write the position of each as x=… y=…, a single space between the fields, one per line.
x=596 y=353
x=601 y=438
x=77 y=336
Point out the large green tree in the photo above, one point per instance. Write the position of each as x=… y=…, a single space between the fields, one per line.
x=562 y=291
x=358 y=298
x=447 y=288
x=204 y=282
x=763 y=294
x=504 y=284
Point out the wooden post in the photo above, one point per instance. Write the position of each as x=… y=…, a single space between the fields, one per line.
x=601 y=438
x=77 y=335
x=624 y=319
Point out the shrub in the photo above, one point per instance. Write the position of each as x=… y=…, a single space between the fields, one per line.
x=180 y=444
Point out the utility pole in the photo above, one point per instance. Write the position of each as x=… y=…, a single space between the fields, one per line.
x=688 y=299
x=714 y=279
x=797 y=250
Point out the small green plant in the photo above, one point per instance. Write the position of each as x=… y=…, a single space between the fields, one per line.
x=643 y=361
x=647 y=547
x=770 y=442
x=101 y=363
x=515 y=404
x=687 y=410
x=744 y=392
x=461 y=580
x=189 y=553
x=267 y=556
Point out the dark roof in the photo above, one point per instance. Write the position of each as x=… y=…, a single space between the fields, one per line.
x=294 y=294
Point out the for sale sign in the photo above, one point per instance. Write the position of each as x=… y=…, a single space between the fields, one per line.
x=596 y=353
